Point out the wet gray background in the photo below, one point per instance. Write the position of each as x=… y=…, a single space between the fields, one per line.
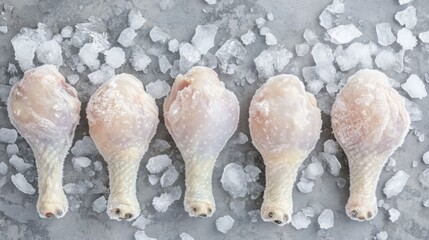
x=18 y=216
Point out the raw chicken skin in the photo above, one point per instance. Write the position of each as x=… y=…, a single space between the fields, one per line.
x=45 y=110
x=284 y=125
x=122 y=121
x=201 y=115
x=370 y=122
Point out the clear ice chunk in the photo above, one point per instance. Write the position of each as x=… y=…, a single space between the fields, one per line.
x=344 y=33
x=22 y=184
x=158 y=163
x=158 y=35
x=424 y=37
x=163 y=202
x=384 y=34
x=102 y=75
x=139 y=60
x=313 y=171
x=203 y=40
x=173 y=45
x=407 y=17
x=272 y=60
x=3 y=168
x=395 y=184
x=424 y=178
x=73 y=79
x=164 y=64
x=394 y=214
x=135 y=19
x=248 y=38
x=185 y=236
x=19 y=164
x=158 y=89
x=387 y=60
x=50 y=52
x=169 y=176
x=326 y=19
x=326 y=219
x=126 y=38
x=224 y=224
x=406 y=39
x=231 y=49
x=80 y=162
x=115 y=57
x=305 y=186
x=415 y=87
x=334 y=166
x=300 y=221
x=234 y=180
x=302 y=49
x=99 y=205
x=8 y=135
x=141 y=222
x=84 y=147
x=141 y=235
x=12 y=149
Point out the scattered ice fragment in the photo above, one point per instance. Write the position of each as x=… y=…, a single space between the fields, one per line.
x=426 y=203
x=141 y=222
x=135 y=19
x=308 y=211
x=210 y=2
x=203 y=40
x=189 y=55
x=381 y=235
x=241 y=138
x=164 y=64
x=322 y=54
x=89 y=56
x=313 y=171
x=99 y=205
x=84 y=147
x=310 y=36
x=260 y=22
x=426 y=157
x=384 y=34
x=126 y=38
x=158 y=35
x=254 y=190
x=341 y=182
x=334 y=165
x=424 y=37
x=49 y=52
x=337 y=7
x=390 y=164
x=140 y=60
x=224 y=224
x=115 y=57
x=238 y=207
x=387 y=59
x=354 y=55
x=300 y=221
x=272 y=60
x=169 y=176
x=394 y=214
x=80 y=162
x=231 y=49
x=73 y=79
x=12 y=149
x=164 y=201
x=185 y=236
x=270 y=16
x=406 y=39
x=395 y=184
x=160 y=145
x=305 y=186
x=102 y=75
x=173 y=45
x=3 y=29
x=331 y=146
x=21 y=183
x=3 y=168
x=326 y=219
x=158 y=89
x=153 y=179
x=12 y=70
x=141 y=235
x=234 y=180
x=344 y=33
x=407 y=17
x=254 y=215
x=270 y=39
x=402 y=2
x=8 y=135
x=302 y=49
x=424 y=178
x=415 y=87
x=326 y=19
x=19 y=164
x=67 y=32
x=414 y=164
x=158 y=163
x=98 y=166
x=264 y=31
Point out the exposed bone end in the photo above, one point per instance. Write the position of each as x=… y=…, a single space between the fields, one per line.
x=271 y=212
x=52 y=205
x=198 y=208
x=127 y=211
x=361 y=208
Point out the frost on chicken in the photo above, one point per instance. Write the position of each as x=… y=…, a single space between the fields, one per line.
x=99 y=205
x=126 y=38
x=272 y=60
x=169 y=176
x=135 y=19
x=50 y=52
x=158 y=163
x=19 y=164
x=384 y=34
x=415 y=87
x=8 y=135
x=224 y=224
x=158 y=89
x=326 y=219
x=406 y=39
x=234 y=180
x=139 y=60
x=163 y=202
x=203 y=40
x=344 y=33
x=158 y=35
x=300 y=221
x=407 y=17
x=248 y=38
x=22 y=184
x=115 y=57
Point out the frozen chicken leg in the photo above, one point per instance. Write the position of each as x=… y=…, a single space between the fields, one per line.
x=370 y=122
x=201 y=115
x=45 y=110
x=122 y=121
x=284 y=125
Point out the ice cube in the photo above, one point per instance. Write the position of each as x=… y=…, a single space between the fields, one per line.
x=406 y=39
x=310 y=36
x=12 y=70
x=326 y=19
x=169 y=176
x=126 y=38
x=67 y=32
x=49 y=52
x=3 y=29
x=89 y=56
x=22 y=184
x=234 y=180
x=189 y=55
x=98 y=166
x=337 y=7
x=80 y=162
x=381 y=235
x=402 y=2
x=326 y=219
x=407 y=17
x=164 y=64
x=389 y=60
x=3 y=168
x=248 y=38
x=115 y=57
x=203 y=40
x=99 y=205
x=322 y=54
x=270 y=17
x=384 y=34
x=272 y=60
x=424 y=37
x=414 y=164
x=153 y=179
x=300 y=221
x=84 y=147
x=394 y=214
x=415 y=87
x=102 y=75
x=426 y=203
x=308 y=211
x=141 y=235
x=210 y=2
x=260 y=22
x=160 y=145
x=390 y=164
x=4 y=94
x=241 y=138
x=302 y=49
x=395 y=184
x=331 y=146
x=8 y=135
x=305 y=186
x=254 y=190
x=135 y=19
x=252 y=173
x=158 y=35
x=344 y=33
x=313 y=171
x=185 y=236
x=164 y=201
x=334 y=165
x=141 y=222
x=426 y=157
x=254 y=215
x=264 y=31
x=158 y=89
x=354 y=55
x=12 y=149
x=140 y=60
x=19 y=164
x=158 y=163
x=270 y=39
x=424 y=178
x=231 y=49
x=224 y=224
x=173 y=45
